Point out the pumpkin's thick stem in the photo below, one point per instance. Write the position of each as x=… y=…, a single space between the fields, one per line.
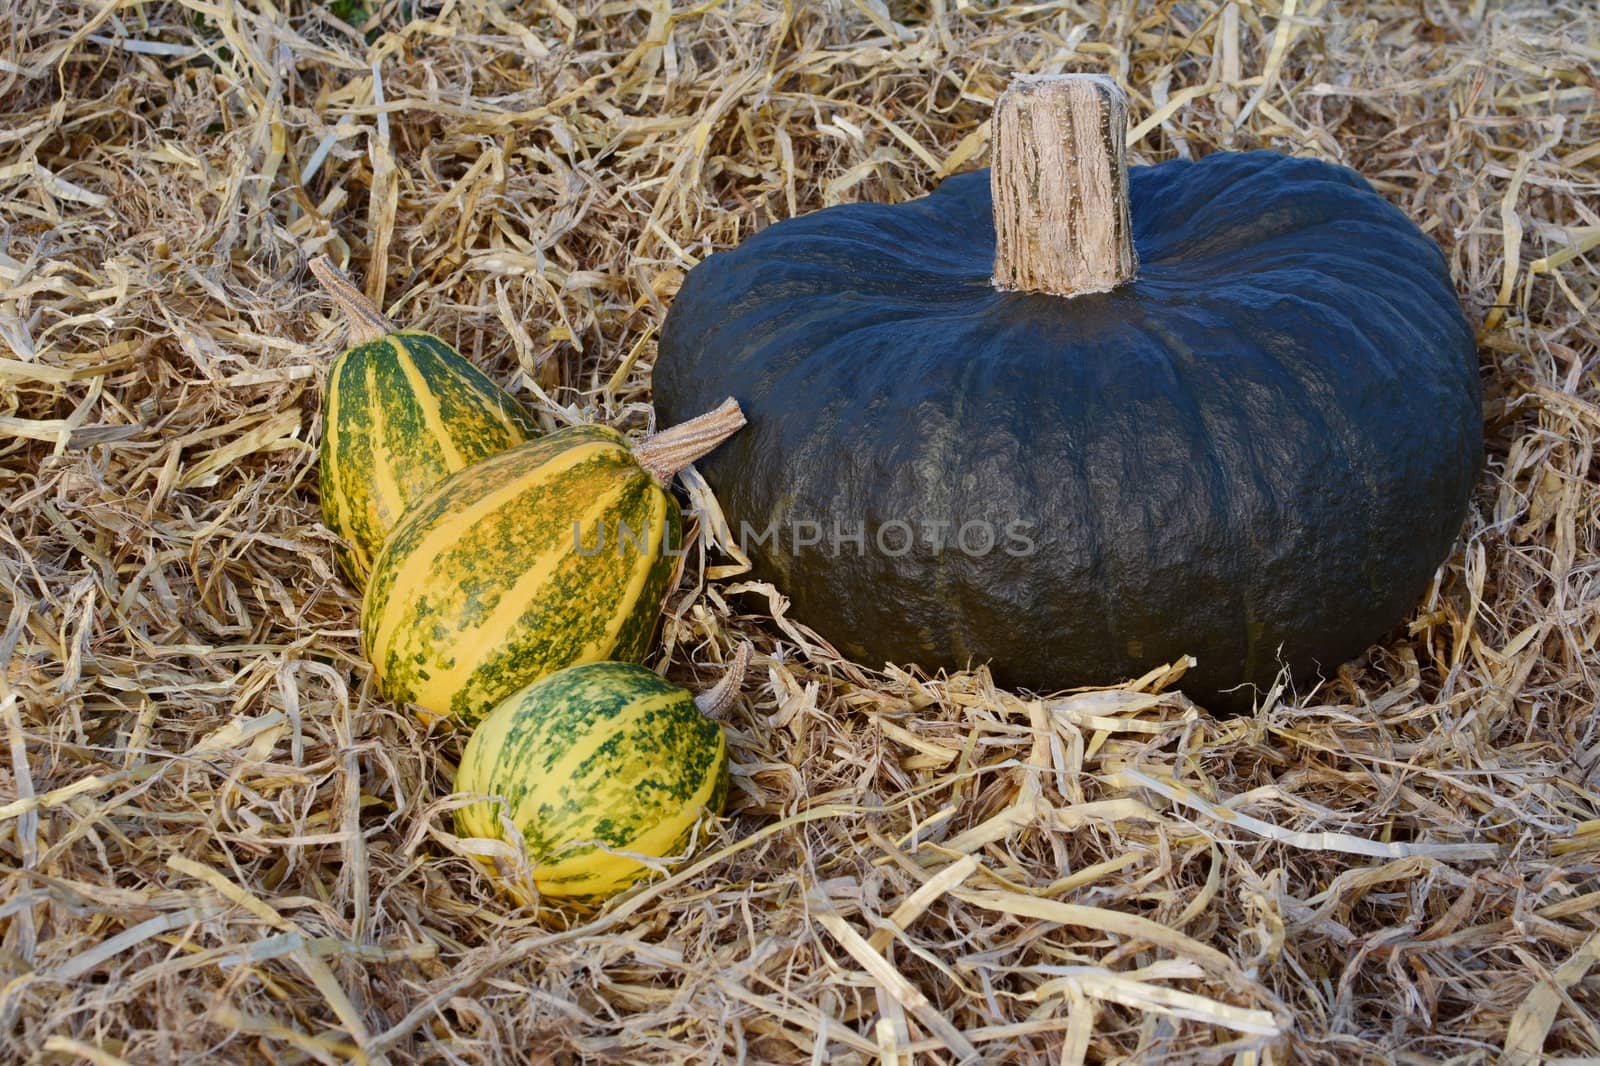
x=1060 y=180
x=667 y=452
x=715 y=701
x=367 y=323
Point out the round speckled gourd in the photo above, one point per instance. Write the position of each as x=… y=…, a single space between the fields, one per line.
x=595 y=765
x=1237 y=417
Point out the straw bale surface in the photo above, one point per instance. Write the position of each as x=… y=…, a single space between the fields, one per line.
x=218 y=843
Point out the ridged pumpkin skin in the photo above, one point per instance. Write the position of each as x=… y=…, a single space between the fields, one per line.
x=401 y=414
x=1263 y=446
x=500 y=575
x=601 y=754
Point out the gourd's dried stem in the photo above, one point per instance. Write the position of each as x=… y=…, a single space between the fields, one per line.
x=367 y=323
x=667 y=452
x=715 y=701
x=1060 y=181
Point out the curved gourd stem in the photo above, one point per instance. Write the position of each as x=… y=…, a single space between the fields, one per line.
x=1060 y=181
x=667 y=452
x=367 y=323
x=715 y=701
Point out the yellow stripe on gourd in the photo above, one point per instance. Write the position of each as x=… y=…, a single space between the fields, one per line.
x=488 y=637
x=512 y=605
x=411 y=580
x=386 y=502
x=427 y=400
x=350 y=504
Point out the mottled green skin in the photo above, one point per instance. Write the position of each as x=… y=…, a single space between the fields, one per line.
x=467 y=397
x=581 y=612
x=602 y=752
x=389 y=435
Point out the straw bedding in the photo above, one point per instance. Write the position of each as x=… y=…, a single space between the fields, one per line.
x=220 y=844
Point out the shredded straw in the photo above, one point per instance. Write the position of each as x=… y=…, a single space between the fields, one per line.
x=221 y=844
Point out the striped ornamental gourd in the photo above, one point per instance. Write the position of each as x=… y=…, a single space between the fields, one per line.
x=553 y=553
x=595 y=765
x=402 y=410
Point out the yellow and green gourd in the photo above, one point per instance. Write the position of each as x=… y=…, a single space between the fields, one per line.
x=402 y=411
x=550 y=554
x=592 y=763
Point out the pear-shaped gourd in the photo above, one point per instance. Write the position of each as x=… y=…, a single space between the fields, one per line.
x=402 y=410
x=553 y=553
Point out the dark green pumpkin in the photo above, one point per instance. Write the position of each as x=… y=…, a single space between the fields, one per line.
x=1257 y=452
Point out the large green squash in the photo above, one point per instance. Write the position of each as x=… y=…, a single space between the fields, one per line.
x=1257 y=451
